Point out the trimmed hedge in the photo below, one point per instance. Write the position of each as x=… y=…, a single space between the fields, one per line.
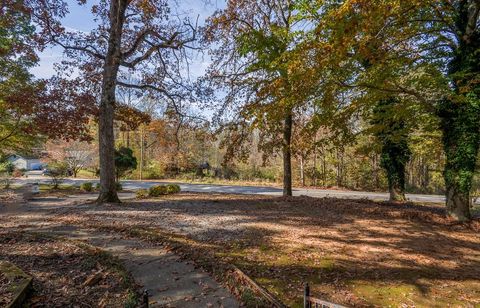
x=159 y=190
x=173 y=189
x=142 y=193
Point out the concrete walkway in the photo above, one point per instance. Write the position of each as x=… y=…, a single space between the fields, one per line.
x=170 y=281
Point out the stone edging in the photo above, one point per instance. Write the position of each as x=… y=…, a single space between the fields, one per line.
x=20 y=293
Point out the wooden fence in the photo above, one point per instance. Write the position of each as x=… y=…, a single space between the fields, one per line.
x=312 y=302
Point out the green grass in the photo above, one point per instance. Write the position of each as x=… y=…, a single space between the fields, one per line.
x=14 y=274
x=49 y=187
x=393 y=295
x=86 y=174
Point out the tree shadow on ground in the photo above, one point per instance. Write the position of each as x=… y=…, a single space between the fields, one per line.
x=333 y=243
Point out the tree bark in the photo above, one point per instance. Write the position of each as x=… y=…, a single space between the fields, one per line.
x=142 y=144
x=395 y=156
x=392 y=133
x=340 y=163
x=302 y=171
x=324 y=169
x=108 y=192
x=460 y=117
x=458 y=203
x=287 y=154
x=315 y=177
x=397 y=191
x=460 y=124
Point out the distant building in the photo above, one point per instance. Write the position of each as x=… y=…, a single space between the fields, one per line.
x=25 y=162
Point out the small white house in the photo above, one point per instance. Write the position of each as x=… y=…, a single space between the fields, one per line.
x=25 y=162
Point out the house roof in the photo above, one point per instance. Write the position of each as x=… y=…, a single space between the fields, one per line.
x=28 y=157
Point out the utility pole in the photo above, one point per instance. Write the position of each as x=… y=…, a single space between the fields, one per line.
x=141 y=152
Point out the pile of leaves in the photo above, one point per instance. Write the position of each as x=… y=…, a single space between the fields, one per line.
x=68 y=274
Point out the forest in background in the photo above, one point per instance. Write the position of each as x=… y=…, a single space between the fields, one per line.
x=173 y=150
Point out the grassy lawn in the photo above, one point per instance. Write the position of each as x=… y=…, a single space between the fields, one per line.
x=61 y=190
x=62 y=187
x=353 y=252
x=86 y=174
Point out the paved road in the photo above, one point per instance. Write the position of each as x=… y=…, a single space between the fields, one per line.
x=253 y=190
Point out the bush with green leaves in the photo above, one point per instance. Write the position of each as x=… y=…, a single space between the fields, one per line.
x=173 y=189
x=6 y=172
x=158 y=190
x=124 y=162
x=142 y=193
x=57 y=171
x=87 y=186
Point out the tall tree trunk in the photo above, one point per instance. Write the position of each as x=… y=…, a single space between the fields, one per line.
x=302 y=171
x=315 y=174
x=324 y=169
x=108 y=192
x=375 y=171
x=340 y=167
x=287 y=154
x=392 y=133
x=394 y=164
x=460 y=115
x=142 y=145
x=460 y=124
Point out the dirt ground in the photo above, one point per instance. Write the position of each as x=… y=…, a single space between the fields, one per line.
x=353 y=252
x=65 y=274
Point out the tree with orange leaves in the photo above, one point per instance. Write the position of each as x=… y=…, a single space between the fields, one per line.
x=136 y=36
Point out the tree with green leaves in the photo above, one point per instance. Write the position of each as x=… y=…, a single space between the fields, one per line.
x=423 y=51
x=254 y=62
x=6 y=172
x=391 y=132
x=57 y=171
x=124 y=162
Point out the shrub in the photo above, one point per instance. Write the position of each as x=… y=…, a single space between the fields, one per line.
x=57 y=171
x=173 y=189
x=124 y=162
x=97 y=186
x=142 y=193
x=87 y=186
x=157 y=190
x=6 y=170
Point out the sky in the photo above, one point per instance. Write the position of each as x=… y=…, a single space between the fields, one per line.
x=81 y=19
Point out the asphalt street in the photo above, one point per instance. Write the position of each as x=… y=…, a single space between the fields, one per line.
x=252 y=190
